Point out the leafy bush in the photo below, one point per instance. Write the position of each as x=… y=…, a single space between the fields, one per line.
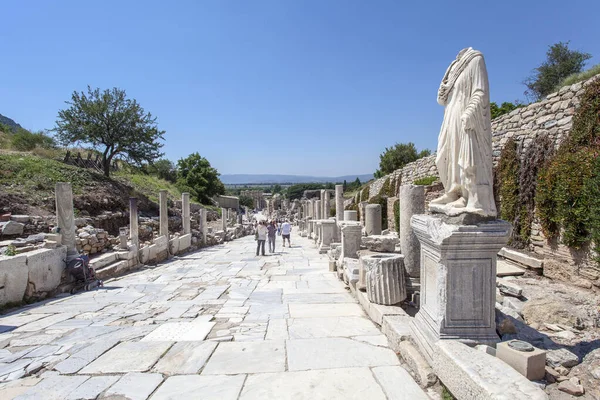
x=428 y=180
x=398 y=156
x=23 y=140
x=164 y=169
x=297 y=191
x=246 y=201
x=508 y=169
x=196 y=176
x=397 y=214
x=578 y=77
x=569 y=184
x=364 y=194
x=504 y=108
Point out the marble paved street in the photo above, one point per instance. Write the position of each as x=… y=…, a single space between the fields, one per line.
x=216 y=324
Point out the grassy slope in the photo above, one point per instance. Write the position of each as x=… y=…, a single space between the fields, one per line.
x=33 y=178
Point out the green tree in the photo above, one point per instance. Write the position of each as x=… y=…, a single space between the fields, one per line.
x=246 y=201
x=345 y=185
x=560 y=62
x=164 y=169
x=113 y=124
x=398 y=156
x=195 y=175
x=505 y=108
x=276 y=188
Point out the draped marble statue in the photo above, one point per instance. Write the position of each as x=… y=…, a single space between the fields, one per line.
x=464 y=153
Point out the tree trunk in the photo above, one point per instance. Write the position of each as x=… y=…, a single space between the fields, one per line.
x=106 y=160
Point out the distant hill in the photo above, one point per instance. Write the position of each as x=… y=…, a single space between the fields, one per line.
x=7 y=121
x=238 y=179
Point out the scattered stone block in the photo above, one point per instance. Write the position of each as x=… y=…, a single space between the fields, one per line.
x=521 y=258
x=380 y=243
x=486 y=349
x=418 y=365
x=385 y=278
x=513 y=303
x=530 y=364
x=509 y=288
x=11 y=228
x=13 y=278
x=561 y=357
x=572 y=387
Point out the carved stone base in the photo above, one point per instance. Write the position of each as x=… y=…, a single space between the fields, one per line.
x=458 y=280
x=384 y=278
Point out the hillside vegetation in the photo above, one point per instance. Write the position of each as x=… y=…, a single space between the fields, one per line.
x=27 y=186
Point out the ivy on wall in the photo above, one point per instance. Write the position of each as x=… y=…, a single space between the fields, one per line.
x=568 y=188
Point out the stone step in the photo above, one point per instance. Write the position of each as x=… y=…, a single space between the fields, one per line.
x=521 y=258
x=103 y=260
x=508 y=268
x=112 y=270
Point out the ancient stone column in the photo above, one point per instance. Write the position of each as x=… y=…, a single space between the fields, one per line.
x=327 y=234
x=326 y=205
x=224 y=219
x=384 y=275
x=203 y=225
x=373 y=219
x=351 y=235
x=350 y=215
x=458 y=279
x=318 y=209
x=65 y=218
x=185 y=213
x=339 y=202
x=361 y=207
x=322 y=198
x=123 y=239
x=164 y=214
x=412 y=202
x=133 y=223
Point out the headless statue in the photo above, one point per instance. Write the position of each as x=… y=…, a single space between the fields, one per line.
x=464 y=153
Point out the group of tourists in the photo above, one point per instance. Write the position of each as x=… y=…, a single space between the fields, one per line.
x=270 y=230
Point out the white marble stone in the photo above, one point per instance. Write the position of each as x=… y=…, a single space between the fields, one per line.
x=91 y=388
x=398 y=384
x=384 y=278
x=53 y=388
x=180 y=331
x=307 y=328
x=329 y=384
x=185 y=358
x=121 y=358
x=247 y=358
x=134 y=386
x=277 y=329
x=326 y=353
x=213 y=387
x=325 y=310
x=464 y=154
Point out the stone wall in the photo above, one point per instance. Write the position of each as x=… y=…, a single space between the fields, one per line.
x=421 y=168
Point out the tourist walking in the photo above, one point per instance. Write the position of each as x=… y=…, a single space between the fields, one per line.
x=286 y=230
x=261 y=237
x=272 y=233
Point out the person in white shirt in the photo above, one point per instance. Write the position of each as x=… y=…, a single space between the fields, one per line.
x=286 y=230
x=261 y=237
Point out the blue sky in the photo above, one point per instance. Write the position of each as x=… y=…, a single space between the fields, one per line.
x=315 y=87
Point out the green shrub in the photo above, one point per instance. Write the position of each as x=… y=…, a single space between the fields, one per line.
x=578 y=77
x=428 y=180
x=397 y=214
x=569 y=184
x=23 y=140
x=508 y=170
x=364 y=194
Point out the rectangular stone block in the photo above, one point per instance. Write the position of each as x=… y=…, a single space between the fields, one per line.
x=530 y=364
x=46 y=267
x=13 y=278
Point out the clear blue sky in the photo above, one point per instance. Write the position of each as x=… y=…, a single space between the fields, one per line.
x=316 y=87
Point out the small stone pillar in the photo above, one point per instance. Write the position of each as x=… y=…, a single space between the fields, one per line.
x=224 y=219
x=203 y=225
x=65 y=218
x=326 y=205
x=412 y=202
x=318 y=209
x=350 y=215
x=133 y=223
x=361 y=207
x=322 y=198
x=123 y=239
x=339 y=203
x=458 y=278
x=384 y=278
x=351 y=235
x=373 y=219
x=327 y=234
x=164 y=214
x=309 y=227
x=240 y=219
x=185 y=213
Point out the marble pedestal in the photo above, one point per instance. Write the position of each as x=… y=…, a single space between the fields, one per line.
x=327 y=234
x=458 y=280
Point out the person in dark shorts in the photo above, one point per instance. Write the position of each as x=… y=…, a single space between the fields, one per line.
x=286 y=230
x=272 y=233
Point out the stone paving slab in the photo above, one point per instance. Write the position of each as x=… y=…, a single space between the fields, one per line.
x=219 y=322
x=214 y=387
x=343 y=384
